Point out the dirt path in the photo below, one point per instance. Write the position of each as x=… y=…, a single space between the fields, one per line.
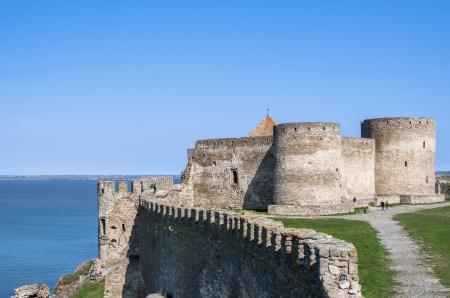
x=415 y=278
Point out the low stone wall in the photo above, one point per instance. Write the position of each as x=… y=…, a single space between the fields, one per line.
x=409 y=199
x=443 y=186
x=311 y=210
x=363 y=202
x=392 y=199
x=421 y=199
x=192 y=252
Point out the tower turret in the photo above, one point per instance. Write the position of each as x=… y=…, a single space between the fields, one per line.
x=307 y=176
x=405 y=151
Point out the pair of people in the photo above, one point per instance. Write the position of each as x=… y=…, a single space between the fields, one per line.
x=384 y=205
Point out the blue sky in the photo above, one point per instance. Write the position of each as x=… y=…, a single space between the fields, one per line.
x=125 y=87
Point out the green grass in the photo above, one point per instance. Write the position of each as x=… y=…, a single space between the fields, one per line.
x=376 y=279
x=91 y=290
x=258 y=212
x=431 y=228
x=74 y=277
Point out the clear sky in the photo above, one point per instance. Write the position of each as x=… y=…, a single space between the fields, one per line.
x=125 y=87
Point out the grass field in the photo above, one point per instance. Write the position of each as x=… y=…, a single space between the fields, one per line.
x=91 y=290
x=376 y=279
x=431 y=228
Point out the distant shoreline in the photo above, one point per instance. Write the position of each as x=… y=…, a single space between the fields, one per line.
x=442 y=173
x=108 y=177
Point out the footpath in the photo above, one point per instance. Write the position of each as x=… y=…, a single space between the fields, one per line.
x=414 y=276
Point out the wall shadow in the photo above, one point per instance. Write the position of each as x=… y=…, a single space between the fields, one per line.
x=133 y=286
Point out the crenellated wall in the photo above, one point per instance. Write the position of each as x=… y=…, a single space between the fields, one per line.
x=156 y=236
x=118 y=243
x=193 y=252
x=117 y=208
x=232 y=173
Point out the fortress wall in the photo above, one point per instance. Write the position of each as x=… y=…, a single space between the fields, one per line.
x=193 y=252
x=117 y=237
x=422 y=199
x=117 y=211
x=234 y=173
x=117 y=242
x=358 y=168
x=405 y=154
x=308 y=164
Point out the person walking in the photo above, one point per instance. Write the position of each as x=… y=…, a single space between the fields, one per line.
x=387 y=205
x=382 y=205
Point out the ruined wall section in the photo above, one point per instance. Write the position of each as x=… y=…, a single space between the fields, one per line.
x=117 y=209
x=443 y=185
x=193 y=252
x=358 y=169
x=405 y=154
x=232 y=173
x=118 y=241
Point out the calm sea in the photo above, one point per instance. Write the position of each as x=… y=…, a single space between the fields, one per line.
x=47 y=228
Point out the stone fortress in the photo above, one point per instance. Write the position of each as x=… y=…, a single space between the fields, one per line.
x=310 y=169
x=193 y=239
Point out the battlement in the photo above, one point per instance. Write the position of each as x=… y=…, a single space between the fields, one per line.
x=303 y=251
x=233 y=142
x=401 y=125
x=312 y=128
x=135 y=186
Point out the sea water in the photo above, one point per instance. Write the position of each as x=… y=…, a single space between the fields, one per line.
x=47 y=228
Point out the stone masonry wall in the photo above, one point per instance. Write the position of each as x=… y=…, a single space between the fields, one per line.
x=117 y=237
x=358 y=168
x=232 y=173
x=117 y=209
x=405 y=154
x=308 y=162
x=192 y=252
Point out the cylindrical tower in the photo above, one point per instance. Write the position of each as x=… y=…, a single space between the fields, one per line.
x=404 y=154
x=307 y=170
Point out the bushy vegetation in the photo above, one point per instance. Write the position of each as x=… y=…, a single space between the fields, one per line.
x=91 y=290
x=376 y=278
x=431 y=228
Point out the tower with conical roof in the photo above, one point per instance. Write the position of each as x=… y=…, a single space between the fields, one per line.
x=264 y=128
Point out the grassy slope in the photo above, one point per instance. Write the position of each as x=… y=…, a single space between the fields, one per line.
x=91 y=290
x=74 y=277
x=375 y=276
x=432 y=228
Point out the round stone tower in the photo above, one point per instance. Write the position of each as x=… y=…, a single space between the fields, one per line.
x=307 y=170
x=404 y=154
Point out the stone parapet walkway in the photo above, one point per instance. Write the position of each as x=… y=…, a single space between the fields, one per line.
x=414 y=276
